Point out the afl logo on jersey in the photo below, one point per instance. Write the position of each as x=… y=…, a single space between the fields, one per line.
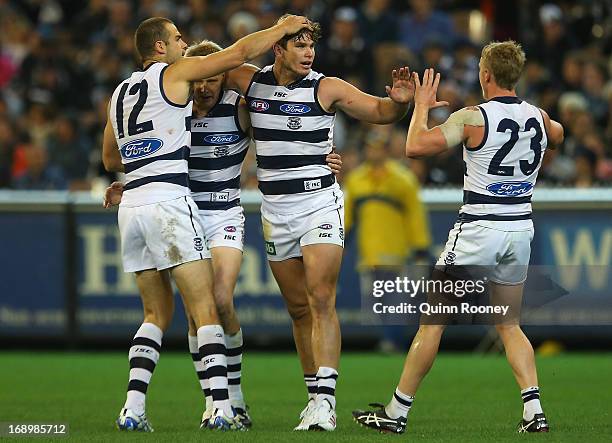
x=230 y=229
x=259 y=105
x=141 y=148
x=221 y=139
x=295 y=108
x=509 y=189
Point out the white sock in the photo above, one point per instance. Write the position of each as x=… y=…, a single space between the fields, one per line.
x=326 y=385
x=531 y=402
x=211 y=341
x=400 y=404
x=200 y=369
x=143 y=356
x=311 y=385
x=233 y=343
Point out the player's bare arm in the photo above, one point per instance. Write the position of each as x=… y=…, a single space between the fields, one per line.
x=554 y=130
x=111 y=158
x=247 y=48
x=243 y=116
x=240 y=77
x=335 y=93
x=421 y=140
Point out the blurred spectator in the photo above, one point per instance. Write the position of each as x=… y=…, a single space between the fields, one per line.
x=39 y=174
x=68 y=148
x=344 y=53
x=555 y=41
x=377 y=23
x=423 y=24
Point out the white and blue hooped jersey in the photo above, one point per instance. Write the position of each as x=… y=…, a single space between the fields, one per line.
x=293 y=135
x=153 y=137
x=218 y=148
x=501 y=172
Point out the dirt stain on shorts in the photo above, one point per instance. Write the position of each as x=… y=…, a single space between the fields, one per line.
x=174 y=254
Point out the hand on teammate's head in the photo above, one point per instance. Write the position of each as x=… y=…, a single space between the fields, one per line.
x=293 y=24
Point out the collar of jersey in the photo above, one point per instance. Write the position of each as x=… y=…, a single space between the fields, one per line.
x=290 y=85
x=507 y=100
x=149 y=65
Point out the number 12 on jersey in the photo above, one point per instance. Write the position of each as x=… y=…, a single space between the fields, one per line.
x=134 y=128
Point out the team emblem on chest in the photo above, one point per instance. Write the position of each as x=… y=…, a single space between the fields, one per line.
x=294 y=122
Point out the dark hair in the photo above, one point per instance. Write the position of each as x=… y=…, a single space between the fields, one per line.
x=205 y=47
x=314 y=35
x=150 y=31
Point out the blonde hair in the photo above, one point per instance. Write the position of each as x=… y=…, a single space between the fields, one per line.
x=506 y=61
x=205 y=47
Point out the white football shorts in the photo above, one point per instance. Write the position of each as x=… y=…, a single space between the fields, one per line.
x=285 y=234
x=161 y=235
x=224 y=228
x=504 y=253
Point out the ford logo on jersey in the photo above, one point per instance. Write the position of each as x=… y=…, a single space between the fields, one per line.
x=510 y=189
x=295 y=108
x=259 y=105
x=221 y=139
x=141 y=148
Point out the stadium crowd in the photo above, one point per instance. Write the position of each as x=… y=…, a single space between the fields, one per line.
x=61 y=59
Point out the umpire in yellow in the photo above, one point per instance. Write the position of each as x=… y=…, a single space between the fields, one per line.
x=389 y=221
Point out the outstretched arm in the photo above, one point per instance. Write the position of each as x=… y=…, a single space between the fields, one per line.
x=335 y=93
x=420 y=139
x=245 y=49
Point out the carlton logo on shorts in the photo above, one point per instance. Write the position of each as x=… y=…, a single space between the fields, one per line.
x=294 y=123
x=141 y=148
x=259 y=105
x=198 y=245
x=311 y=185
x=295 y=108
x=270 y=248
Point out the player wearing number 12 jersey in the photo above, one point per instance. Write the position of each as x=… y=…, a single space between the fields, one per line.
x=147 y=136
x=504 y=141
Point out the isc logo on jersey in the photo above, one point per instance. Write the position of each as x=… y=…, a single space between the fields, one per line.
x=259 y=105
x=509 y=189
x=141 y=148
x=221 y=139
x=295 y=108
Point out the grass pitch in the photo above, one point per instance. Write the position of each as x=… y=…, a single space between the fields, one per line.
x=467 y=398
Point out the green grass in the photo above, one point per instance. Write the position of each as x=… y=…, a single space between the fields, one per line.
x=466 y=398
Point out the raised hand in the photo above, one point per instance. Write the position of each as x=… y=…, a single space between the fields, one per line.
x=402 y=89
x=112 y=195
x=292 y=24
x=425 y=94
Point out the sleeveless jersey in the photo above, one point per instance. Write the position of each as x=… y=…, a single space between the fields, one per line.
x=218 y=148
x=293 y=134
x=153 y=138
x=501 y=172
